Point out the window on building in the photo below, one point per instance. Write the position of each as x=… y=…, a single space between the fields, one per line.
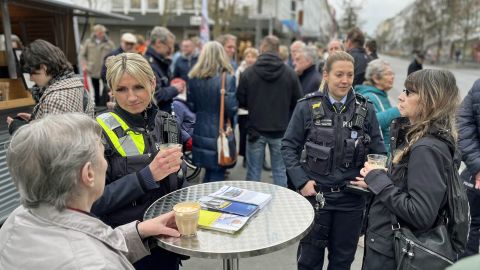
x=135 y=4
x=152 y=4
x=188 y=4
x=117 y=4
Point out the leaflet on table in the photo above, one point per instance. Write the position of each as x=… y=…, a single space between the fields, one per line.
x=223 y=222
x=242 y=195
x=231 y=207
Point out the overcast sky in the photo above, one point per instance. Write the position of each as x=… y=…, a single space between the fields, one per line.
x=373 y=11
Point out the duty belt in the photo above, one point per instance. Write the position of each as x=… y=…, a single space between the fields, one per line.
x=324 y=189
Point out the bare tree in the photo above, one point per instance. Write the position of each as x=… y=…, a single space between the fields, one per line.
x=415 y=26
x=467 y=17
x=222 y=16
x=350 y=17
x=167 y=9
x=430 y=18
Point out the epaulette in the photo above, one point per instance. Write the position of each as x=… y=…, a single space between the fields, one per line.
x=311 y=95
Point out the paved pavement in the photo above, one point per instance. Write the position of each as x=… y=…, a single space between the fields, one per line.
x=285 y=259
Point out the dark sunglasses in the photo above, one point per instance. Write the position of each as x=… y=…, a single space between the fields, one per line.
x=408 y=92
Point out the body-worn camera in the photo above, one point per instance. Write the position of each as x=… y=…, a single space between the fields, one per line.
x=359 y=116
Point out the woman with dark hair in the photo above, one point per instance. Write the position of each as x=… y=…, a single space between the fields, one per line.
x=415 y=187
x=57 y=88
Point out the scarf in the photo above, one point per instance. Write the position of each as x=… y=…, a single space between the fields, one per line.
x=37 y=91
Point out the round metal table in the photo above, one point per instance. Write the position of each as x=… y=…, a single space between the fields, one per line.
x=284 y=220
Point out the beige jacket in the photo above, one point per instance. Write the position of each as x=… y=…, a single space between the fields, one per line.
x=44 y=238
x=92 y=55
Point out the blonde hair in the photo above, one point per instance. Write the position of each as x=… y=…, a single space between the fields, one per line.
x=283 y=52
x=212 y=60
x=250 y=50
x=335 y=57
x=437 y=106
x=132 y=63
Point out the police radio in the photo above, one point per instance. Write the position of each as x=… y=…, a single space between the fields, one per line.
x=166 y=129
x=359 y=115
x=170 y=129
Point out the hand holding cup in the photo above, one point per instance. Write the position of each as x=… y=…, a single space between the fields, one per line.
x=167 y=161
x=186 y=217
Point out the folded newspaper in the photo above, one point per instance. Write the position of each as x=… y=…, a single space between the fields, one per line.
x=221 y=221
x=242 y=195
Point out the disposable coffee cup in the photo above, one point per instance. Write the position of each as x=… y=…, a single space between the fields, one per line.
x=186 y=217
x=377 y=161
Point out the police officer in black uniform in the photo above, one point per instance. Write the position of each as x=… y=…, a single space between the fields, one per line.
x=137 y=174
x=158 y=55
x=324 y=148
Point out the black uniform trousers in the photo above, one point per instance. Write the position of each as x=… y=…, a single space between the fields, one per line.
x=474 y=235
x=336 y=230
x=159 y=259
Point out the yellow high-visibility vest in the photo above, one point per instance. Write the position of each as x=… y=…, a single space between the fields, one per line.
x=131 y=144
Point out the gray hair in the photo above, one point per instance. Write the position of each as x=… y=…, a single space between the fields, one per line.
x=99 y=28
x=335 y=41
x=310 y=53
x=45 y=157
x=223 y=39
x=160 y=33
x=375 y=69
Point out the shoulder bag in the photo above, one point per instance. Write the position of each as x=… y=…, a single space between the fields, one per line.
x=438 y=247
x=226 y=145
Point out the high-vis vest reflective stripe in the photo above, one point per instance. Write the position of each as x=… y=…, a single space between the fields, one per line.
x=129 y=145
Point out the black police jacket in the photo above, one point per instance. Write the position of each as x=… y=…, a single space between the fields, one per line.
x=164 y=93
x=331 y=168
x=126 y=196
x=414 y=190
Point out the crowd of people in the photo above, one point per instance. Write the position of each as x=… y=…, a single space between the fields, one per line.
x=320 y=113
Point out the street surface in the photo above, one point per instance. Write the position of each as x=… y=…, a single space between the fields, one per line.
x=285 y=259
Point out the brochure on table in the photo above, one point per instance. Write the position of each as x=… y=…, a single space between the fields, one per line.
x=242 y=195
x=230 y=207
x=221 y=221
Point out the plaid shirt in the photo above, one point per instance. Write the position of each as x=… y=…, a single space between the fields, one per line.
x=64 y=96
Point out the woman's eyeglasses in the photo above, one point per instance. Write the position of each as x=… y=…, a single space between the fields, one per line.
x=408 y=92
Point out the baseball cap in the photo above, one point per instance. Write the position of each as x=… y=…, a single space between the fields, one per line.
x=127 y=37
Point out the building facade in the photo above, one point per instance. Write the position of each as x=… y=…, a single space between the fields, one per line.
x=440 y=32
x=248 y=19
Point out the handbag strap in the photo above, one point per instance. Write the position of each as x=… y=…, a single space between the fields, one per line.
x=222 y=101
x=394 y=222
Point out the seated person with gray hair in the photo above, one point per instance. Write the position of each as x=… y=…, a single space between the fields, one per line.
x=59 y=178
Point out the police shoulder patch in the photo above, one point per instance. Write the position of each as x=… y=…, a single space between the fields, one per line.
x=311 y=95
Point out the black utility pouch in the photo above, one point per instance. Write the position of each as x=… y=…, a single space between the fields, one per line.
x=361 y=152
x=319 y=158
x=348 y=152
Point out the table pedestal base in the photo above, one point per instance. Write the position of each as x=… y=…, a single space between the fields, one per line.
x=230 y=264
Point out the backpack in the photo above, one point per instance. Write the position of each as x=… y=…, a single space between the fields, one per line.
x=457 y=208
